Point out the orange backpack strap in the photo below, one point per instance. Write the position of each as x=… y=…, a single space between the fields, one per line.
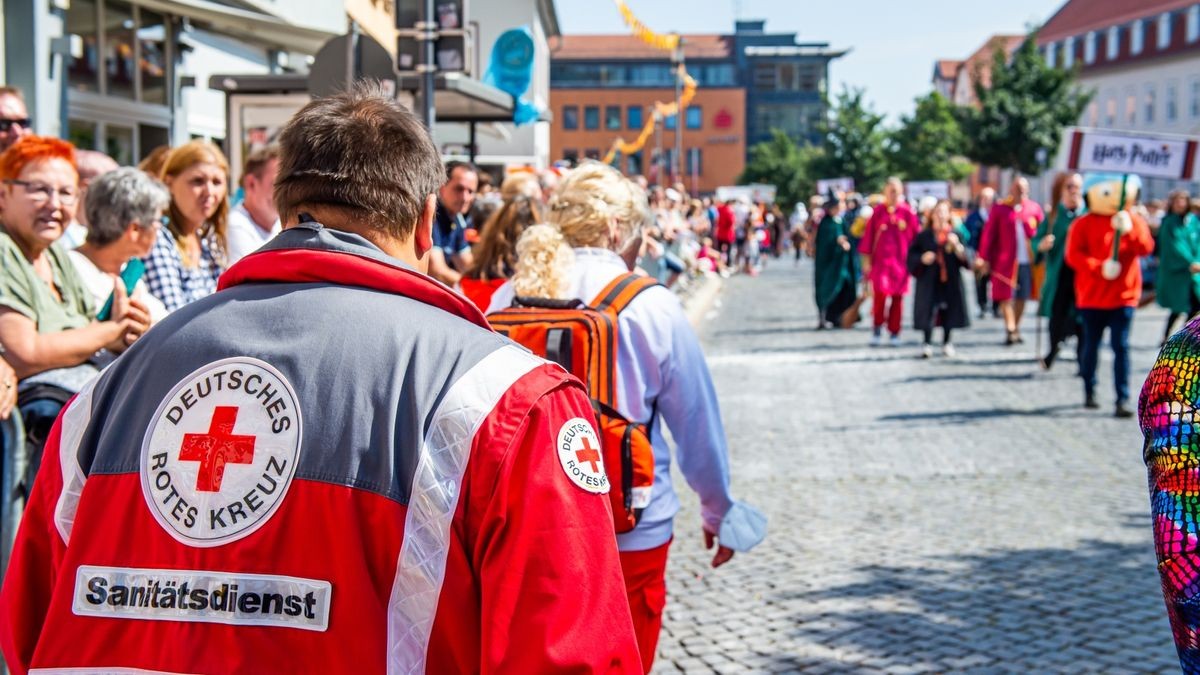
x=621 y=291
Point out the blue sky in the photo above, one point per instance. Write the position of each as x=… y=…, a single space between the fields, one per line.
x=894 y=43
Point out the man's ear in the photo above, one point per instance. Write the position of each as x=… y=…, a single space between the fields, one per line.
x=423 y=233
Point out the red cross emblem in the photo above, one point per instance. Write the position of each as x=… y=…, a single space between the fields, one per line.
x=220 y=446
x=590 y=455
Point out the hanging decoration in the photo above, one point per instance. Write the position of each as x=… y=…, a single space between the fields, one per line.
x=661 y=110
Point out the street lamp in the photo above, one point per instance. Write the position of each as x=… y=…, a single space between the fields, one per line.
x=677 y=62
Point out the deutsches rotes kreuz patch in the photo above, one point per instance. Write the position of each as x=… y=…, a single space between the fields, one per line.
x=221 y=451
x=579 y=452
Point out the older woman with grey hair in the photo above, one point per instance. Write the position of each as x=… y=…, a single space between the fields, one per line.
x=125 y=211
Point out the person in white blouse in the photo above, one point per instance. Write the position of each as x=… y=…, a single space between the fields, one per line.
x=662 y=376
x=255 y=221
x=124 y=210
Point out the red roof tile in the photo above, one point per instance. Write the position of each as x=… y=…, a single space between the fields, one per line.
x=948 y=69
x=1077 y=17
x=630 y=47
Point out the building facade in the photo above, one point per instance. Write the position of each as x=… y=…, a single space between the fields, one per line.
x=603 y=87
x=1141 y=60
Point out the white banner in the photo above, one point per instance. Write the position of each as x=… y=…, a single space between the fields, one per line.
x=1145 y=155
x=824 y=185
x=920 y=189
x=754 y=193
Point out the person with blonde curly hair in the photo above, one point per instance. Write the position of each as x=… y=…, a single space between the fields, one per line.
x=594 y=232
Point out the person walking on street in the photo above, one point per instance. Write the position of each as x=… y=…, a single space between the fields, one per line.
x=1105 y=247
x=884 y=249
x=834 y=265
x=974 y=224
x=1058 y=287
x=1005 y=253
x=937 y=258
x=1179 y=261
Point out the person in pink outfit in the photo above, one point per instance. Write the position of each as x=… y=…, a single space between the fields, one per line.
x=1006 y=253
x=884 y=247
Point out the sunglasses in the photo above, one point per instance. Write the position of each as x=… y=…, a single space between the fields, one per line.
x=6 y=124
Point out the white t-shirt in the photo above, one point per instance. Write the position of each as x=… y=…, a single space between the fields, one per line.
x=244 y=236
x=100 y=285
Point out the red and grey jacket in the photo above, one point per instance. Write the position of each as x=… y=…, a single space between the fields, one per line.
x=331 y=466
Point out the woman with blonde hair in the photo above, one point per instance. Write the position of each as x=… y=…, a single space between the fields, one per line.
x=495 y=256
x=595 y=214
x=190 y=252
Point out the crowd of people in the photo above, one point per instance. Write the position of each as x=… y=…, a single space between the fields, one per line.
x=1083 y=259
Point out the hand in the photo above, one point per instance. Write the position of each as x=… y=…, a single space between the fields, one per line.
x=982 y=266
x=1111 y=269
x=928 y=258
x=723 y=554
x=8 y=389
x=844 y=243
x=952 y=239
x=130 y=319
x=1122 y=222
x=1194 y=268
x=1046 y=244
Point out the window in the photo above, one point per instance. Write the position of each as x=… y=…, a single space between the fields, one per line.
x=1164 y=30
x=152 y=45
x=1172 y=107
x=1130 y=107
x=1093 y=115
x=83 y=72
x=571 y=155
x=1137 y=37
x=1110 y=112
x=1150 y=99
x=570 y=117
x=1052 y=54
x=1112 y=44
x=592 y=153
x=651 y=75
x=633 y=164
x=719 y=75
x=612 y=117
x=1194 y=101
x=633 y=117
x=1069 y=52
x=695 y=162
x=694 y=117
x=1089 y=48
x=118 y=46
x=591 y=118
x=765 y=77
x=1193 y=23
x=669 y=123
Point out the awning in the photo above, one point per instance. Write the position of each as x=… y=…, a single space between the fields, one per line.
x=254 y=27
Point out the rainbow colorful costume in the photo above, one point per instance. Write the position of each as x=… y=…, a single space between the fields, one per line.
x=1169 y=419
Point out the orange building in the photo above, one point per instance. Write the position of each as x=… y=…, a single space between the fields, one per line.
x=587 y=121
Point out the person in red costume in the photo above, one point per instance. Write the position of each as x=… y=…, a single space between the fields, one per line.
x=1104 y=248
x=884 y=247
x=1006 y=254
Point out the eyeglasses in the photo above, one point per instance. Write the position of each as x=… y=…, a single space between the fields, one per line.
x=6 y=124
x=40 y=193
x=156 y=224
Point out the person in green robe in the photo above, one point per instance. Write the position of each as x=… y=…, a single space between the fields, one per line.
x=1057 y=299
x=835 y=285
x=1179 y=261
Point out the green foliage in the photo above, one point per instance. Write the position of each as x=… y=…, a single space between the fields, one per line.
x=782 y=163
x=929 y=144
x=1021 y=116
x=853 y=143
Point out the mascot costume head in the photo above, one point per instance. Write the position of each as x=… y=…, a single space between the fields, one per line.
x=1112 y=194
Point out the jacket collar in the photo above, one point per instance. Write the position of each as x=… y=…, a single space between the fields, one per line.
x=309 y=253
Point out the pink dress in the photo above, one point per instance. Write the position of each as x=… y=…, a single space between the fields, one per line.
x=885 y=241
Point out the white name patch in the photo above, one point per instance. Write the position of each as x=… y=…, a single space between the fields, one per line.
x=206 y=597
x=579 y=452
x=221 y=451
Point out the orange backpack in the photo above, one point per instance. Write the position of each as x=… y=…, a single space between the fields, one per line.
x=583 y=340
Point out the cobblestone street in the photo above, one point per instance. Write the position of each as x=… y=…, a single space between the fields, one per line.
x=954 y=515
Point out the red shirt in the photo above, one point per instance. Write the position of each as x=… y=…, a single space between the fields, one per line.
x=725 y=224
x=1089 y=244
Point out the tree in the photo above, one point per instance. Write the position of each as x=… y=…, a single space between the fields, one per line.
x=853 y=143
x=782 y=163
x=929 y=144
x=1021 y=115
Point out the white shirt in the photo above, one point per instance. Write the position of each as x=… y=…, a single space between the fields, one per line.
x=100 y=285
x=661 y=373
x=244 y=235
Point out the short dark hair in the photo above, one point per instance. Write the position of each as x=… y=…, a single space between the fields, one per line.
x=360 y=151
x=258 y=161
x=455 y=165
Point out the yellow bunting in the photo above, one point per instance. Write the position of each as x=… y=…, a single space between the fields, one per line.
x=643 y=32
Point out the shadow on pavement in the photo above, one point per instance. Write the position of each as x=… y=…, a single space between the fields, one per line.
x=961 y=377
x=1035 y=610
x=977 y=414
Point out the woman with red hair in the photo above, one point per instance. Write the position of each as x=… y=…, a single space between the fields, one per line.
x=48 y=327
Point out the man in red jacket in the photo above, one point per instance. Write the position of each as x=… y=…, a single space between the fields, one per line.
x=332 y=465
x=1104 y=248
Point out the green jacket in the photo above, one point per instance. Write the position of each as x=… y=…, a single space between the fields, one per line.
x=1053 y=258
x=1178 y=248
x=834 y=265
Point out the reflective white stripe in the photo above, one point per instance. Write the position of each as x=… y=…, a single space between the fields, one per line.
x=99 y=670
x=75 y=421
x=435 y=491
